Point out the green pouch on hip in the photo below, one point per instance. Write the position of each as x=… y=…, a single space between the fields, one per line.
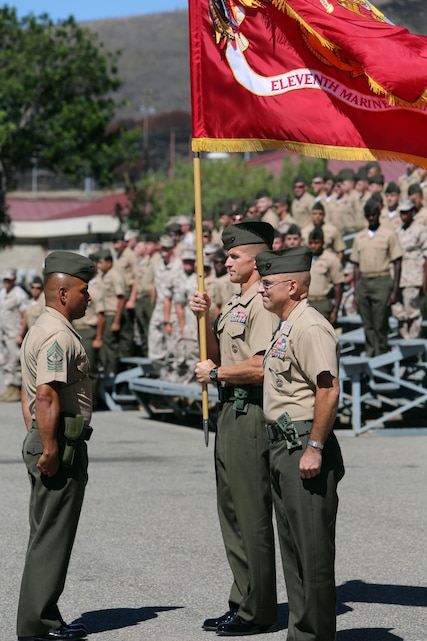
x=73 y=428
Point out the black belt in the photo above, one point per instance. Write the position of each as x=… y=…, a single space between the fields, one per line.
x=227 y=395
x=275 y=434
x=85 y=435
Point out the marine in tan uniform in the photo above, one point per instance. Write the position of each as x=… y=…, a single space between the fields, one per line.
x=281 y=205
x=265 y=209
x=376 y=250
x=235 y=350
x=91 y=328
x=302 y=203
x=56 y=400
x=390 y=215
x=13 y=305
x=126 y=262
x=149 y=258
x=36 y=304
x=187 y=346
x=301 y=392
x=113 y=294
x=410 y=177
x=163 y=330
x=327 y=277
x=331 y=234
x=415 y=193
x=413 y=277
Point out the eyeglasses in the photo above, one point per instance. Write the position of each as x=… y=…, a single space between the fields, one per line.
x=268 y=284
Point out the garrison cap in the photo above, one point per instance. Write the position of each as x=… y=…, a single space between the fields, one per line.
x=406 y=205
x=262 y=193
x=371 y=207
x=392 y=188
x=152 y=237
x=316 y=233
x=318 y=206
x=372 y=164
x=250 y=233
x=118 y=235
x=103 y=253
x=63 y=262
x=346 y=174
x=282 y=198
x=284 y=261
x=362 y=174
x=378 y=179
x=415 y=188
x=293 y=230
x=174 y=228
x=377 y=196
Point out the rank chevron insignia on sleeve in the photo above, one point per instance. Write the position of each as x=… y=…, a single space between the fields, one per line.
x=55 y=358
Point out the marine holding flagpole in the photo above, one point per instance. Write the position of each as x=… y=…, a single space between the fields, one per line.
x=235 y=350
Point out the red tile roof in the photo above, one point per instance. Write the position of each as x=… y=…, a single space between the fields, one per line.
x=30 y=210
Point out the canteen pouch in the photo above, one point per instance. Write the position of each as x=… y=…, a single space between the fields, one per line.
x=72 y=431
x=240 y=400
x=289 y=431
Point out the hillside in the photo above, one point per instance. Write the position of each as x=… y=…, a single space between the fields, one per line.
x=154 y=64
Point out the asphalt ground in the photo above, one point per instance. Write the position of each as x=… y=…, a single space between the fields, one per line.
x=148 y=563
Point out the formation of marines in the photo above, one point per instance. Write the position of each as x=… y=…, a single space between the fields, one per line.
x=369 y=245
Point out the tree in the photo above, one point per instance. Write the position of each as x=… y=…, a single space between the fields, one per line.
x=156 y=198
x=57 y=99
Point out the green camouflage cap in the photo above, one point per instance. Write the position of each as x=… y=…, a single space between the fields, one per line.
x=284 y=261
x=63 y=262
x=250 y=233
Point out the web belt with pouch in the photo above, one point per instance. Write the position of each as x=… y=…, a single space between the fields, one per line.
x=240 y=396
x=71 y=430
x=285 y=429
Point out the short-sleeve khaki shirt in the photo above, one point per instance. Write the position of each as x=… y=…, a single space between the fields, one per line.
x=326 y=271
x=244 y=327
x=305 y=346
x=112 y=287
x=52 y=352
x=373 y=253
x=127 y=265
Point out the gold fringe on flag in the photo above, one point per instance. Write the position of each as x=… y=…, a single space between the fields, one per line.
x=303 y=149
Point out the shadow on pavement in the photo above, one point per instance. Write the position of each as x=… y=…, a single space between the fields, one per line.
x=361 y=592
x=117 y=618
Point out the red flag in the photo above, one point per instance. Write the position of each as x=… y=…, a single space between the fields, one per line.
x=326 y=78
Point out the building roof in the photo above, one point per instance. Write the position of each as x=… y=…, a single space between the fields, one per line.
x=40 y=209
x=43 y=218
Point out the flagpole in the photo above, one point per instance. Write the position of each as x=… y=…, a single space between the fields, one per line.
x=201 y=284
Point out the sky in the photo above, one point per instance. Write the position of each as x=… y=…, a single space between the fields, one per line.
x=83 y=10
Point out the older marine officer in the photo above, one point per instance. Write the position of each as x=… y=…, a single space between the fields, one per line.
x=235 y=351
x=57 y=407
x=301 y=394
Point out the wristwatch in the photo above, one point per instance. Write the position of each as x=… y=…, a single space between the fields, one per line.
x=315 y=444
x=213 y=374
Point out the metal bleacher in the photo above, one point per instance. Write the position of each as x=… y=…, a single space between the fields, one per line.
x=374 y=391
